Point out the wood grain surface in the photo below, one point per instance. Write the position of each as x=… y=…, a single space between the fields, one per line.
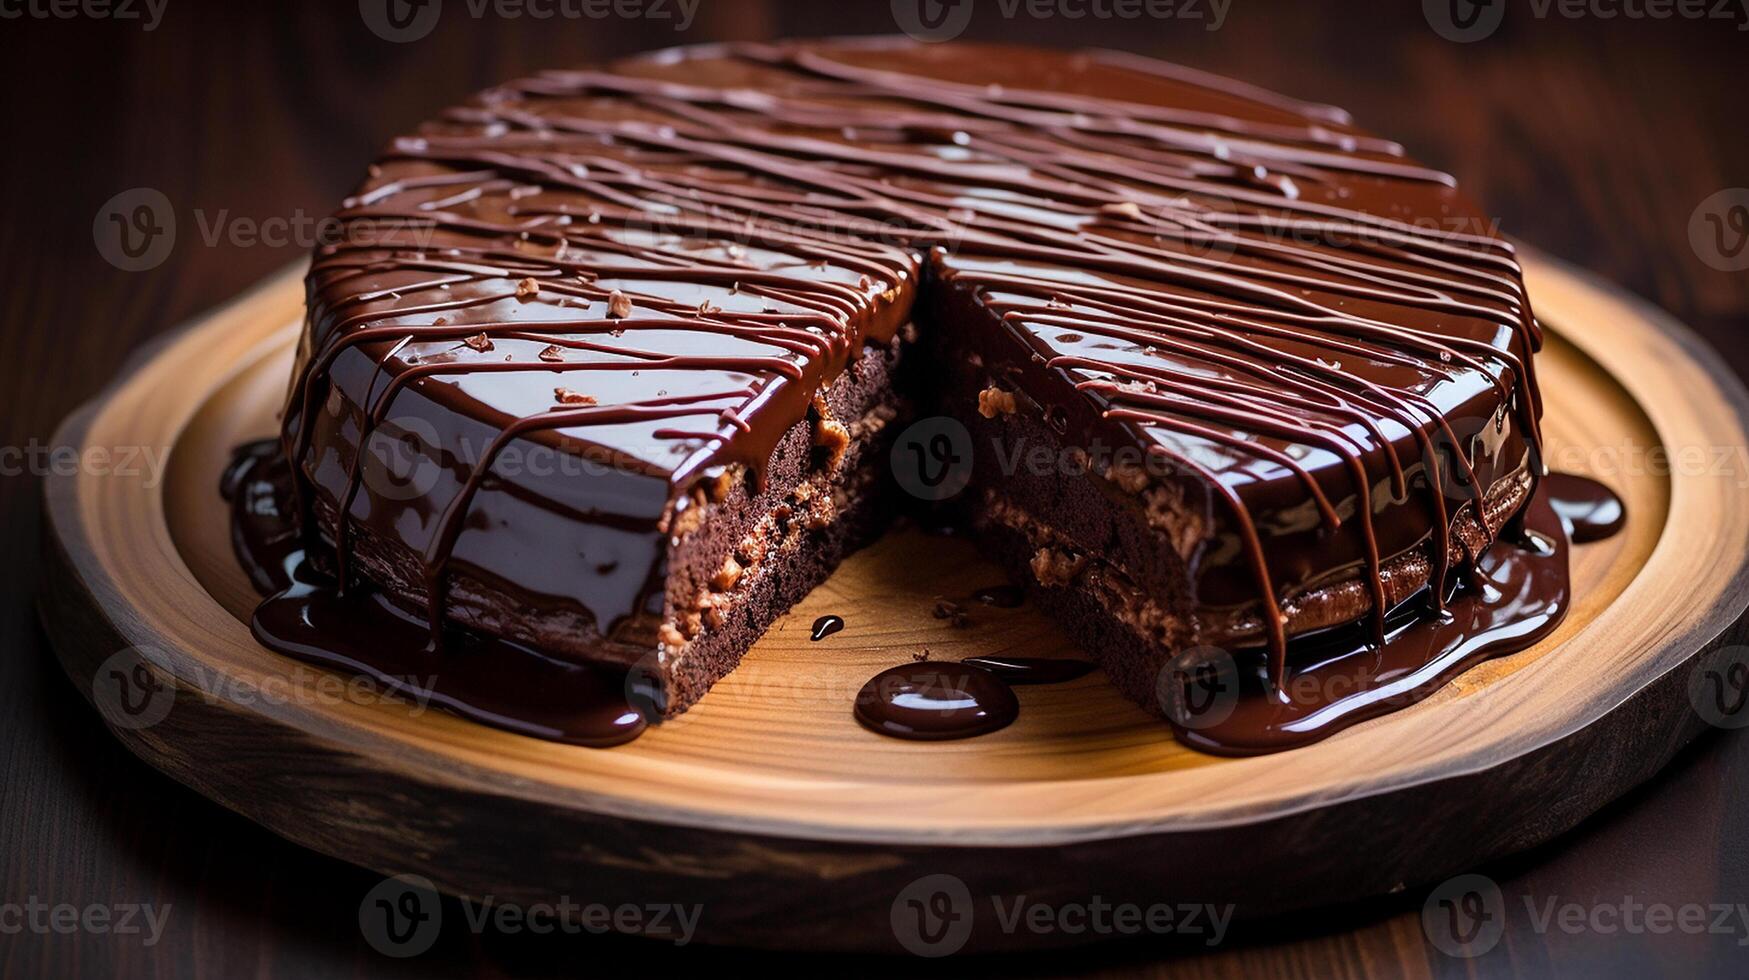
x=1595 y=139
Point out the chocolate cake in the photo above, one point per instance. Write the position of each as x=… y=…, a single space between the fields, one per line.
x=609 y=363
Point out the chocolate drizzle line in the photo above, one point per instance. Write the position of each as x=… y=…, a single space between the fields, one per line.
x=1250 y=243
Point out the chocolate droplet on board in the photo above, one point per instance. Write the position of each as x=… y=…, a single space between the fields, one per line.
x=932 y=700
x=825 y=626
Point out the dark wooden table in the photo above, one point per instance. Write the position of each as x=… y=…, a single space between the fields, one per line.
x=1593 y=138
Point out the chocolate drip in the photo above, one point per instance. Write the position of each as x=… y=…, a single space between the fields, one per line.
x=1226 y=703
x=362 y=634
x=689 y=247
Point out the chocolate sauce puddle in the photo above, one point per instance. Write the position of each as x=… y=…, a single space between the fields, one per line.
x=1518 y=592
x=935 y=700
x=483 y=679
x=1592 y=511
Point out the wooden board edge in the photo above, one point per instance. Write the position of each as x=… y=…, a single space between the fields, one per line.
x=762 y=890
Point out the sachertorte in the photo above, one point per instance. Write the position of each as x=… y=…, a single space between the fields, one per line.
x=609 y=363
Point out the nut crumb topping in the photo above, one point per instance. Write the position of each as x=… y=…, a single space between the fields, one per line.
x=993 y=401
x=670 y=637
x=831 y=436
x=728 y=575
x=566 y=396
x=1129 y=477
x=527 y=287
x=479 y=342
x=552 y=353
x=619 y=305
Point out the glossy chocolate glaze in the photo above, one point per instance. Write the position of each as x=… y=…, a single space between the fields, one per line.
x=656 y=266
x=361 y=633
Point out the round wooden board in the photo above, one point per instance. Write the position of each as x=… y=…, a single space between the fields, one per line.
x=793 y=827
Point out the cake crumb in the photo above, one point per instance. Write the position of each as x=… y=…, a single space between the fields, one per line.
x=993 y=401
x=619 y=305
x=952 y=612
x=1056 y=569
x=527 y=287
